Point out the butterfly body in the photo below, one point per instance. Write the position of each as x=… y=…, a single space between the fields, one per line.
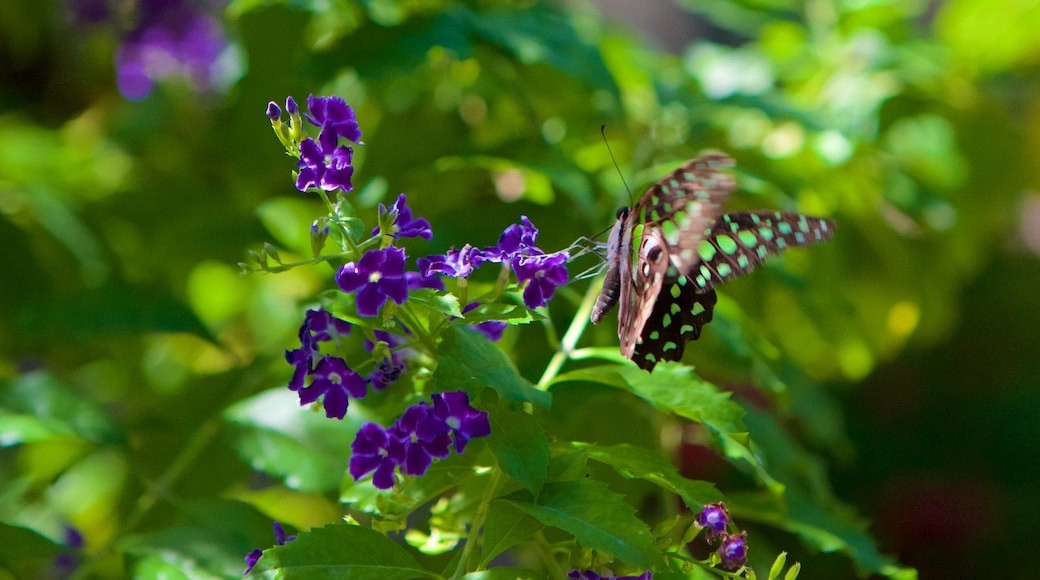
x=686 y=246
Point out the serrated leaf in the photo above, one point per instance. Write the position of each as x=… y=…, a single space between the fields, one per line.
x=671 y=387
x=340 y=551
x=506 y=527
x=674 y=388
x=469 y=361
x=632 y=462
x=446 y=304
x=597 y=517
x=519 y=444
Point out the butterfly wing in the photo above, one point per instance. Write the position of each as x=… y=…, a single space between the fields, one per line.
x=673 y=216
x=740 y=241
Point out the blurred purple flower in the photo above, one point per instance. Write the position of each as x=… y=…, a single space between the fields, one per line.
x=279 y=539
x=326 y=171
x=714 y=517
x=171 y=38
x=378 y=275
x=733 y=551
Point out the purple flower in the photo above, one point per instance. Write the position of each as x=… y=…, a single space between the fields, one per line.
x=518 y=238
x=279 y=538
x=454 y=264
x=273 y=112
x=714 y=517
x=290 y=106
x=733 y=551
x=251 y=559
x=326 y=171
x=425 y=437
x=375 y=449
x=492 y=329
x=405 y=226
x=279 y=535
x=324 y=326
x=416 y=280
x=336 y=119
x=378 y=275
x=545 y=272
x=462 y=420
x=389 y=369
x=170 y=39
x=318 y=326
x=337 y=382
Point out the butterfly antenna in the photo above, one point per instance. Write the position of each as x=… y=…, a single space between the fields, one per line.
x=603 y=133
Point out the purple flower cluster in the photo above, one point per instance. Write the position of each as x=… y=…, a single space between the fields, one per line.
x=590 y=575
x=171 y=38
x=330 y=376
x=280 y=539
x=732 y=548
x=324 y=163
x=542 y=272
x=423 y=433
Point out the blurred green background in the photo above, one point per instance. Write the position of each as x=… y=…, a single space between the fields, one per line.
x=908 y=347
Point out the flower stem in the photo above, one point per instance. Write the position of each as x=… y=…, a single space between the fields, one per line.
x=478 y=523
x=570 y=338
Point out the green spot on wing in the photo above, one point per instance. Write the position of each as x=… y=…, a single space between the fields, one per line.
x=724 y=269
x=706 y=251
x=727 y=244
x=748 y=238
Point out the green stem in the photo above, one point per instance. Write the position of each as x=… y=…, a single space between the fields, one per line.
x=570 y=338
x=478 y=523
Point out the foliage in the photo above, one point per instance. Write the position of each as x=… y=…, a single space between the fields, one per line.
x=147 y=425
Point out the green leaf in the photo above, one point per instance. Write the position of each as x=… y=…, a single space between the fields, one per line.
x=446 y=304
x=275 y=435
x=519 y=444
x=469 y=361
x=632 y=462
x=511 y=313
x=25 y=552
x=506 y=527
x=672 y=387
x=340 y=551
x=209 y=543
x=37 y=406
x=597 y=517
x=501 y=573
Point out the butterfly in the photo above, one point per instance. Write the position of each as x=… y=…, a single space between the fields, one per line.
x=665 y=287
